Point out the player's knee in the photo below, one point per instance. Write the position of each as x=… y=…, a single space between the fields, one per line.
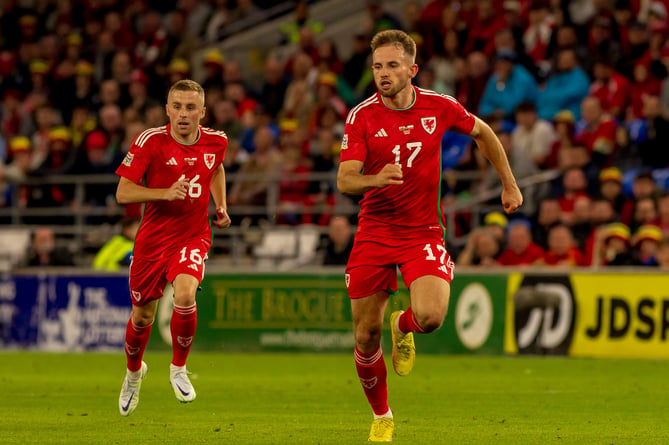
x=184 y=299
x=430 y=322
x=142 y=319
x=367 y=336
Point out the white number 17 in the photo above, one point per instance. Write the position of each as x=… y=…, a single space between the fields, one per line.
x=414 y=148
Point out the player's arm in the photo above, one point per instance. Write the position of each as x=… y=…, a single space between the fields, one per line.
x=128 y=192
x=492 y=149
x=351 y=180
x=218 y=193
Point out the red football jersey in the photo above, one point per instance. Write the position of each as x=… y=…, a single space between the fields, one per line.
x=157 y=160
x=378 y=135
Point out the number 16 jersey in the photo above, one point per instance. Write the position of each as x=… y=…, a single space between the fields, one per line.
x=157 y=160
x=411 y=137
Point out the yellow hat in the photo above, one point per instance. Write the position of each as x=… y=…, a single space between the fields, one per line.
x=83 y=68
x=564 y=116
x=495 y=219
x=60 y=134
x=28 y=20
x=75 y=40
x=417 y=37
x=38 y=67
x=213 y=56
x=611 y=174
x=328 y=79
x=648 y=232
x=288 y=125
x=19 y=143
x=617 y=230
x=179 y=66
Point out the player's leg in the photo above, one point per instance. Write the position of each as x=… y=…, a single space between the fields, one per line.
x=147 y=281
x=368 y=288
x=137 y=335
x=428 y=276
x=367 y=324
x=182 y=328
x=429 y=305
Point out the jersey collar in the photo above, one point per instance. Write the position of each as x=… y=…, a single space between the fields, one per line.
x=415 y=96
x=199 y=133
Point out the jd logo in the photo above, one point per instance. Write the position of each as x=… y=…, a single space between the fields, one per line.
x=544 y=315
x=616 y=317
x=473 y=316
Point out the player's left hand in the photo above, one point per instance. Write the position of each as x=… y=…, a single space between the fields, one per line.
x=222 y=219
x=512 y=199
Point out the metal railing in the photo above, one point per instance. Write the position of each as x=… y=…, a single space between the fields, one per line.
x=235 y=240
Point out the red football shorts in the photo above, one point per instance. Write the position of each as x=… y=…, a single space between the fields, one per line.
x=148 y=276
x=372 y=265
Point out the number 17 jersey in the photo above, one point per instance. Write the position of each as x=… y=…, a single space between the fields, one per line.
x=411 y=138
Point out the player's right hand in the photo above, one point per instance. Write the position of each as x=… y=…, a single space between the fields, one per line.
x=177 y=191
x=390 y=174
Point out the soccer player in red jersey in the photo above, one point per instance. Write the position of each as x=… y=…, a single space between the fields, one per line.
x=391 y=153
x=173 y=169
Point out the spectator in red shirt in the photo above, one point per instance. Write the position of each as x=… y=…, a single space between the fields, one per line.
x=575 y=184
x=561 y=250
x=471 y=86
x=611 y=88
x=643 y=187
x=601 y=214
x=482 y=36
x=597 y=131
x=292 y=192
x=538 y=32
x=636 y=48
x=550 y=214
x=645 y=212
x=521 y=250
x=644 y=85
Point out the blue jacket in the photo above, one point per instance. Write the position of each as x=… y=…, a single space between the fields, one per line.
x=520 y=87
x=563 y=91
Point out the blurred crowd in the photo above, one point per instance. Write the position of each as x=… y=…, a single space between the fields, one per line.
x=581 y=87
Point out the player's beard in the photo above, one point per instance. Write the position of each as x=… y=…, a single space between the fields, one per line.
x=396 y=88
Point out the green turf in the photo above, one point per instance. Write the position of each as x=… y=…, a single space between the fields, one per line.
x=317 y=399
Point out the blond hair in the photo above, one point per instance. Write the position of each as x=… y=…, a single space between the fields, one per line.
x=187 y=85
x=396 y=38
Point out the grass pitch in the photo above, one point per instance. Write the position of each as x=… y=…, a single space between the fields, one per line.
x=317 y=399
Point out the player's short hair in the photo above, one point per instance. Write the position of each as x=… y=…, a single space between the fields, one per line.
x=397 y=38
x=187 y=85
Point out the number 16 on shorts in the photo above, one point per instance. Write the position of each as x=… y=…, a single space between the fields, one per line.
x=191 y=262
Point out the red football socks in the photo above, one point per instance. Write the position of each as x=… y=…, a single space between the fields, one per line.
x=372 y=373
x=408 y=323
x=182 y=327
x=136 y=338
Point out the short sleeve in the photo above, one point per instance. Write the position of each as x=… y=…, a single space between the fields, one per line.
x=462 y=120
x=136 y=162
x=353 y=145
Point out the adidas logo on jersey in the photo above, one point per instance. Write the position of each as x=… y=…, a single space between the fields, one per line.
x=381 y=133
x=172 y=161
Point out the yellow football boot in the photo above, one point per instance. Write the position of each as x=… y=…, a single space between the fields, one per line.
x=382 y=430
x=404 y=349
